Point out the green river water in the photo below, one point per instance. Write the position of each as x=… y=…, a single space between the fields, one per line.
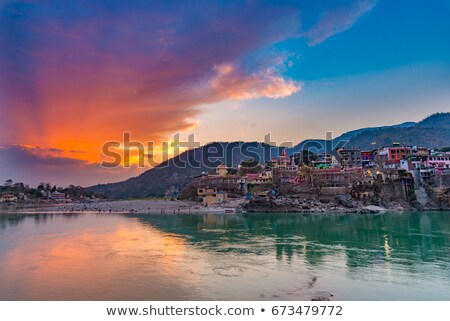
x=392 y=256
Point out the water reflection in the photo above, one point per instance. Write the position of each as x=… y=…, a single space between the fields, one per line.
x=81 y=257
x=406 y=239
x=230 y=257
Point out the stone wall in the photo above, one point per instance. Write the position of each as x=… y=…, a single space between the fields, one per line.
x=393 y=191
x=332 y=190
x=443 y=180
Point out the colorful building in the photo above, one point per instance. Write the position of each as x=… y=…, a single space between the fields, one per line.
x=222 y=170
x=349 y=157
x=57 y=196
x=284 y=163
x=325 y=161
x=395 y=153
x=211 y=196
x=368 y=158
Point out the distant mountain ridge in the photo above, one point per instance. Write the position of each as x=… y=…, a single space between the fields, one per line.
x=433 y=131
x=313 y=144
x=171 y=176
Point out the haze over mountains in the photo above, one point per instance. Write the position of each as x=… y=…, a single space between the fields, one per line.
x=433 y=131
x=168 y=178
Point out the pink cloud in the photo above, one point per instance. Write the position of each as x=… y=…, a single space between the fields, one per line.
x=229 y=83
x=80 y=80
x=76 y=76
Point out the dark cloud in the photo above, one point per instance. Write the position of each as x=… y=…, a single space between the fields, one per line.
x=23 y=164
x=73 y=151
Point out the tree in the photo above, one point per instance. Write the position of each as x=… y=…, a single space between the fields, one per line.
x=304 y=158
x=319 y=181
x=189 y=191
x=249 y=166
x=377 y=186
x=19 y=187
x=305 y=174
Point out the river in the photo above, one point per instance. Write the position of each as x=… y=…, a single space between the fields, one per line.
x=392 y=256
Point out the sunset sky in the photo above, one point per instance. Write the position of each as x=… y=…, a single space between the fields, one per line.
x=77 y=74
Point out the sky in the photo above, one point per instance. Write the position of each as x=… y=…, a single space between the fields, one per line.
x=75 y=75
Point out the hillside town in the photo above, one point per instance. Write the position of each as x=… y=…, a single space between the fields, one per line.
x=398 y=178
x=393 y=177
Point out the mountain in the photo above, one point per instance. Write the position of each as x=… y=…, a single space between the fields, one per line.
x=171 y=176
x=318 y=145
x=348 y=136
x=433 y=131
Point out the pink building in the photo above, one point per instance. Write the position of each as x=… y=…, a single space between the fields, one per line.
x=435 y=160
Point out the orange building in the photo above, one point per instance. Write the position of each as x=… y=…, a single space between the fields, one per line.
x=395 y=153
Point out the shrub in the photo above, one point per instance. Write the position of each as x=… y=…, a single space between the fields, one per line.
x=377 y=186
x=375 y=200
x=412 y=195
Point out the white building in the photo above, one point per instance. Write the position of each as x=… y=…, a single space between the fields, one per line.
x=57 y=196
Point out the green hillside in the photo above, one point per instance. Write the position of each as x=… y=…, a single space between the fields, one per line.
x=433 y=131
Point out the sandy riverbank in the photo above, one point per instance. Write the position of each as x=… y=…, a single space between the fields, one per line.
x=133 y=206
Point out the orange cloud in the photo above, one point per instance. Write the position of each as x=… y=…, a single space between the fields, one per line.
x=79 y=76
x=228 y=83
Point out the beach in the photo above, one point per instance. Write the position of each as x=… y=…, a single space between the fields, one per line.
x=153 y=206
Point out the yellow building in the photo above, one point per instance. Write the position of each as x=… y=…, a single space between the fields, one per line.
x=8 y=198
x=222 y=170
x=212 y=196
